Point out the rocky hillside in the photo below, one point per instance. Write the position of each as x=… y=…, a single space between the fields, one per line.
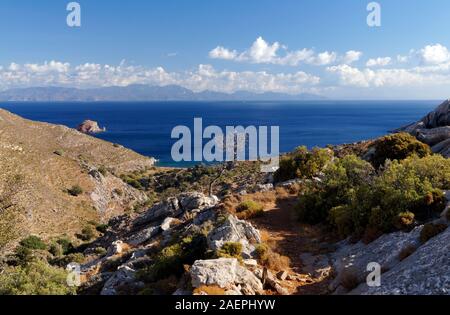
x=58 y=179
x=433 y=129
x=313 y=227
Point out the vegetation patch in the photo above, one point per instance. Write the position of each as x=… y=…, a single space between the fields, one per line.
x=398 y=147
x=249 y=209
x=36 y=278
x=75 y=191
x=355 y=200
x=431 y=230
x=230 y=250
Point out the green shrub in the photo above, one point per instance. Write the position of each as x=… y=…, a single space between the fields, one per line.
x=249 y=209
x=102 y=170
x=398 y=147
x=303 y=163
x=102 y=228
x=230 y=250
x=23 y=255
x=101 y=251
x=75 y=191
x=172 y=258
x=68 y=259
x=86 y=234
x=36 y=278
x=357 y=201
x=66 y=245
x=56 y=250
x=341 y=219
x=431 y=230
x=404 y=220
x=33 y=242
x=343 y=181
x=261 y=250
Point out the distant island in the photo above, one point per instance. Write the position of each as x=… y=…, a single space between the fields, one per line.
x=140 y=93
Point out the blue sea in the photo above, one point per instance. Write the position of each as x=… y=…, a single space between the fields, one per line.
x=146 y=127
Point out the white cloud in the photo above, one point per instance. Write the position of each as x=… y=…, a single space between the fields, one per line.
x=222 y=53
x=205 y=77
x=435 y=54
x=262 y=52
x=351 y=56
x=350 y=76
x=379 y=62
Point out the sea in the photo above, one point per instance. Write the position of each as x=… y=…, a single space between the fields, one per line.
x=146 y=127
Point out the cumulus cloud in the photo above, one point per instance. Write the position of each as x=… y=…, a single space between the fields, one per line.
x=351 y=56
x=379 y=62
x=262 y=52
x=205 y=77
x=222 y=53
x=434 y=54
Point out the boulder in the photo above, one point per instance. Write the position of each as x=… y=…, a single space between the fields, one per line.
x=90 y=127
x=440 y=117
x=425 y=272
x=433 y=129
x=434 y=136
x=116 y=248
x=144 y=235
x=442 y=148
x=176 y=206
x=123 y=275
x=236 y=231
x=167 y=223
x=354 y=258
x=226 y=273
x=264 y=188
x=196 y=200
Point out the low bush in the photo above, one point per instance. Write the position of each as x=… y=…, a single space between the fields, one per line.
x=431 y=230
x=87 y=234
x=404 y=221
x=63 y=261
x=349 y=279
x=66 y=245
x=398 y=147
x=36 y=278
x=75 y=191
x=23 y=255
x=270 y=259
x=102 y=228
x=230 y=250
x=357 y=201
x=56 y=250
x=406 y=252
x=100 y=251
x=103 y=170
x=249 y=209
x=33 y=242
x=303 y=163
x=172 y=258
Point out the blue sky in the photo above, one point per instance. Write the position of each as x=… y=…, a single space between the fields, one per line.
x=173 y=41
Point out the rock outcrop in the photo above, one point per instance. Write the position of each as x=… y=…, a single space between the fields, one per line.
x=227 y=274
x=433 y=129
x=90 y=127
x=237 y=231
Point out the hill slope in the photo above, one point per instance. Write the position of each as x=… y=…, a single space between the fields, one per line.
x=43 y=161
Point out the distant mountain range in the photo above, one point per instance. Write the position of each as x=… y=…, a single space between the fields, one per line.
x=140 y=93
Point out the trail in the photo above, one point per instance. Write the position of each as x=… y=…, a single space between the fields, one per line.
x=289 y=238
